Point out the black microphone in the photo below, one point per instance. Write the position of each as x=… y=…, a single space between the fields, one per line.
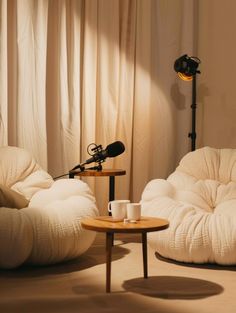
x=112 y=150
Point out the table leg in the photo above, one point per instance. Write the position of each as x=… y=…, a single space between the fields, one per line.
x=144 y=244
x=111 y=195
x=111 y=188
x=109 y=243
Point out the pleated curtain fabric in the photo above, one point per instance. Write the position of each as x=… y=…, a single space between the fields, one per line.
x=75 y=72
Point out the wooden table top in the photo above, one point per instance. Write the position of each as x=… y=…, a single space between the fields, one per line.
x=103 y=172
x=109 y=224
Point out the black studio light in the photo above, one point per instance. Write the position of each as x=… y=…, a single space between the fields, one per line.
x=187 y=68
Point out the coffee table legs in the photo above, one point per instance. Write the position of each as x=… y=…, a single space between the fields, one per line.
x=109 y=243
x=144 y=244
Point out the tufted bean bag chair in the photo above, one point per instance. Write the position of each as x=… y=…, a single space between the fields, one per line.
x=40 y=217
x=199 y=200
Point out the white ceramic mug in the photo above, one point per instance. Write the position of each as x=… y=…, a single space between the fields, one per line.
x=134 y=211
x=117 y=208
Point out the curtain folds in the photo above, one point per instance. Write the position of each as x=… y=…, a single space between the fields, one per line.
x=73 y=72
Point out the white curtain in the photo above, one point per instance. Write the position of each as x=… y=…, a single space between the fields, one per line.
x=73 y=72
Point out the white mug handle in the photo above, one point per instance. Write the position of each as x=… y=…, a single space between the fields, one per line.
x=109 y=206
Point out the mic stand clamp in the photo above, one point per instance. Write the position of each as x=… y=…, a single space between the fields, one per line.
x=98 y=167
x=82 y=169
x=73 y=172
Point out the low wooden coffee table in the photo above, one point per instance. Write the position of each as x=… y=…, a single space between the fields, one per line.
x=110 y=226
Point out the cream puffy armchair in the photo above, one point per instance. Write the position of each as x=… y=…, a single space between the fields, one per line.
x=40 y=217
x=199 y=200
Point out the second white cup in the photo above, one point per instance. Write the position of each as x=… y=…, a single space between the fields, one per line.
x=118 y=208
x=134 y=211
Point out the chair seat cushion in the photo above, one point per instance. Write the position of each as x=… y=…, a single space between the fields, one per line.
x=199 y=200
x=55 y=215
x=48 y=228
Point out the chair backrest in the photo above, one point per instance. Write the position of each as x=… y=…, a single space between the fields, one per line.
x=19 y=171
x=15 y=164
x=205 y=178
x=210 y=163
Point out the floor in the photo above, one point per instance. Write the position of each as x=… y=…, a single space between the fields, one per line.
x=79 y=285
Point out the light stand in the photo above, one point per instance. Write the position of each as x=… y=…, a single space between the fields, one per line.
x=193 y=134
x=186 y=67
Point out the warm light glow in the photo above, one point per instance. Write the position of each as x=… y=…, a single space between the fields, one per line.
x=185 y=77
x=186 y=67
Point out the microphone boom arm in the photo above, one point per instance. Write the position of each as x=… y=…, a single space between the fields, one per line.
x=98 y=155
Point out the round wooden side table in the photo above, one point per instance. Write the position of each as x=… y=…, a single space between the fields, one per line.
x=110 y=226
x=104 y=172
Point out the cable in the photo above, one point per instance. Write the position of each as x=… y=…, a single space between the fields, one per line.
x=60 y=176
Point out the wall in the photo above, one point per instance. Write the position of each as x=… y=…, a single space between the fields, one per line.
x=216 y=84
